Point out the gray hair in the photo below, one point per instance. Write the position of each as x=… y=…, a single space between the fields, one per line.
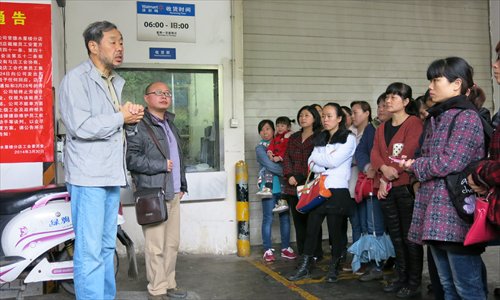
x=95 y=31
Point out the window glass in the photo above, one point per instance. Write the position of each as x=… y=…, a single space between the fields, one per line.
x=195 y=105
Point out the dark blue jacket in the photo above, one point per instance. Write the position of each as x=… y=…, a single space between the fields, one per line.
x=364 y=148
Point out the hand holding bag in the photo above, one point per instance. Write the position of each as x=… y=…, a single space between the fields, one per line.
x=482 y=230
x=309 y=195
x=364 y=186
x=150 y=206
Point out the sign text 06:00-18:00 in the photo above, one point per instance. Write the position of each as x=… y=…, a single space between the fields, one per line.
x=173 y=25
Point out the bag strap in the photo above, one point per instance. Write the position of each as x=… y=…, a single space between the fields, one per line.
x=487 y=130
x=309 y=169
x=155 y=140
x=157 y=143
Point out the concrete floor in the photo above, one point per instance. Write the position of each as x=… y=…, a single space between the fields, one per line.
x=231 y=277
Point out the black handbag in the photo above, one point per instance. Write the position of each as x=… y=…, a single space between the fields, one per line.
x=461 y=195
x=150 y=206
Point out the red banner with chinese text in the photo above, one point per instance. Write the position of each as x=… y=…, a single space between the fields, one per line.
x=26 y=106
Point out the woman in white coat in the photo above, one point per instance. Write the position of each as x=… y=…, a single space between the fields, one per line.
x=332 y=157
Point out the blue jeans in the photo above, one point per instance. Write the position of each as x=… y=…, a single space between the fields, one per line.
x=367 y=218
x=371 y=217
x=461 y=275
x=355 y=220
x=267 y=223
x=94 y=212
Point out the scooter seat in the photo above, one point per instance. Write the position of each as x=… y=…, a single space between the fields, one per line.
x=14 y=201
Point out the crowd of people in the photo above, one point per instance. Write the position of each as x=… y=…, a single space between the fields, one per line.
x=406 y=158
x=407 y=150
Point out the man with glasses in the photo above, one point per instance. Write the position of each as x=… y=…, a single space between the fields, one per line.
x=151 y=166
x=94 y=165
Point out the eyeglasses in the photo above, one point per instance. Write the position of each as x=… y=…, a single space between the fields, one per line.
x=160 y=93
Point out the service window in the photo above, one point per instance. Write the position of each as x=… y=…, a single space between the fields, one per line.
x=196 y=107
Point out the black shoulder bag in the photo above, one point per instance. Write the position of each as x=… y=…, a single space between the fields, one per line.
x=150 y=206
x=461 y=194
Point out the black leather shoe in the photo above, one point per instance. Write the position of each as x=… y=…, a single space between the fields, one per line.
x=393 y=287
x=177 y=293
x=408 y=292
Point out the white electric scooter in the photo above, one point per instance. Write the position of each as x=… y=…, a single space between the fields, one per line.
x=37 y=238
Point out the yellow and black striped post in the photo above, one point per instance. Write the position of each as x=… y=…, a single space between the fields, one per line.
x=49 y=173
x=242 y=211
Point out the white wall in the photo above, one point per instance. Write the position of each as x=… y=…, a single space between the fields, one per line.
x=206 y=226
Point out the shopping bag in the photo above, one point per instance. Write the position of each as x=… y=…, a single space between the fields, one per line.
x=482 y=230
x=308 y=194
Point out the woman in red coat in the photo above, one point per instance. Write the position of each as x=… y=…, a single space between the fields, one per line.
x=399 y=137
x=487 y=174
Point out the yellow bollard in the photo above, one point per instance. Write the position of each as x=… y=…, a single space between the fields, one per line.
x=242 y=210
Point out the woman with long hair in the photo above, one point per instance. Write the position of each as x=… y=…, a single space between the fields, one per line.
x=331 y=157
x=394 y=139
x=448 y=149
x=300 y=146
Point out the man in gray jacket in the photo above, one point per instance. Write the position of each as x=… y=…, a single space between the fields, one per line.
x=94 y=164
x=151 y=166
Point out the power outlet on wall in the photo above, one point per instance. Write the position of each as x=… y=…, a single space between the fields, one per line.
x=233 y=123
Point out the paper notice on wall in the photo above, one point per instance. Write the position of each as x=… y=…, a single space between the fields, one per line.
x=167 y=22
x=26 y=117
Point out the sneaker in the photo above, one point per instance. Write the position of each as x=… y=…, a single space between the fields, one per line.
x=269 y=255
x=373 y=274
x=323 y=191
x=288 y=253
x=281 y=206
x=265 y=193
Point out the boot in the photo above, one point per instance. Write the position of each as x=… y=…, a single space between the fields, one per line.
x=304 y=269
x=333 y=271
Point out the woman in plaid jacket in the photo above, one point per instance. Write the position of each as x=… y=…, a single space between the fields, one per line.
x=435 y=220
x=300 y=146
